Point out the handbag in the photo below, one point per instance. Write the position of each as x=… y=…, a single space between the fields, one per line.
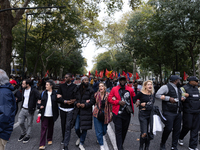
x=100 y=115
x=128 y=108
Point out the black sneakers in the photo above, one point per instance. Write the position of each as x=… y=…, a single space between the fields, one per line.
x=26 y=139
x=21 y=137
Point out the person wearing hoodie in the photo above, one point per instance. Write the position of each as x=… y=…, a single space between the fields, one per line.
x=30 y=96
x=7 y=109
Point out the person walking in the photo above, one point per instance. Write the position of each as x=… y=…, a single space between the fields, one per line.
x=83 y=111
x=146 y=101
x=66 y=98
x=48 y=109
x=191 y=113
x=16 y=93
x=30 y=96
x=171 y=97
x=7 y=109
x=122 y=106
x=102 y=113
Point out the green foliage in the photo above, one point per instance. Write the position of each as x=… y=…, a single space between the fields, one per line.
x=165 y=35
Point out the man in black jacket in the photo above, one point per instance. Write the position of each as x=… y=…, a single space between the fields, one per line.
x=171 y=97
x=83 y=110
x=191 y=113
x=30 y=96
x=66 y=98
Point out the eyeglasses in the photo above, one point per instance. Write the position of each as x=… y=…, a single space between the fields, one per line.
x=66 y=77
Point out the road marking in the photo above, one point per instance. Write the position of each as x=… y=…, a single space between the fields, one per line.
x=16 y=125
x=105 y=143
x=111 y=135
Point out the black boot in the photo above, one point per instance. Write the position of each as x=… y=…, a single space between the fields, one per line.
x=147 y=143
x=142 y=141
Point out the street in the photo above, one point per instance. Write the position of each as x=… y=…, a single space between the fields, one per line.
x=131 y=142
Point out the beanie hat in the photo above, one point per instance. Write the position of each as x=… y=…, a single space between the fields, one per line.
x=84 y=77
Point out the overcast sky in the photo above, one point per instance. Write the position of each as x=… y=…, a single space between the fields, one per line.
x=91 y=51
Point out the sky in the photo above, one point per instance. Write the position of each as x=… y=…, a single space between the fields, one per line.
x=91 y=50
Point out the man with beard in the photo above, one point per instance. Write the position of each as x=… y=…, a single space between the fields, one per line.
x=171 y=97
x=121 y=99
x=66 y=98
x=30 y=96
x=191 y=113
x=83 y=111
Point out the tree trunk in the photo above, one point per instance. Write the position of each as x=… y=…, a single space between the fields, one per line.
x=6 y=45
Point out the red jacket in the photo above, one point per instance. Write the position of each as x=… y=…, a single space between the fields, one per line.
x=115 y=93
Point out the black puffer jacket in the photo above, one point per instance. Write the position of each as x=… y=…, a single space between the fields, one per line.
x=86 y=112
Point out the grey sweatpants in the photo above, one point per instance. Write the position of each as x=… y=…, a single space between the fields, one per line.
x=24 y=114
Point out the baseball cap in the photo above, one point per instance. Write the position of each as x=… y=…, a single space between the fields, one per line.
x=193 y=78
x=174 y=77
x=13 y=82
x=122 y=77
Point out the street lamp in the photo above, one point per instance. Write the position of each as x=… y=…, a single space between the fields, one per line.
x=24 y=57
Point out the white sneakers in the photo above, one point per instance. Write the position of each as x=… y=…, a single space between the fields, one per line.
x=81 y=147
x=78 y=142
x=180 y=142
x=193 y=148
x=102 y=147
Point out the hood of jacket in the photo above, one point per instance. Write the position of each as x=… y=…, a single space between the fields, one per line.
x=8 y=86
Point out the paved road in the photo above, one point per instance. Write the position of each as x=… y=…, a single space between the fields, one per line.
x=131 y=142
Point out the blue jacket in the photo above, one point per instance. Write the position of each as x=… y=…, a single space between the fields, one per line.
x=7 y=111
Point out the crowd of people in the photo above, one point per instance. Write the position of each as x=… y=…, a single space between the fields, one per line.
x=113 y=100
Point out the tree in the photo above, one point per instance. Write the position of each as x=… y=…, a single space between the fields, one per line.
x=9 y=18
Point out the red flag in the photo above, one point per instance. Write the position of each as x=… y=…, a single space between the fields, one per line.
x=101 y=73
x=185 y=76
x=89 y=73
x=113 y=74
x=123 y=73
x=130 y=74
x=47 y=73
x=137 y=76
x=96 y=73
x=106 y=73
x=116 y=74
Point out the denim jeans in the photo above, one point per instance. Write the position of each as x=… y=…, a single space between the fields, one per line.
x=81 y=134
x=100 y=129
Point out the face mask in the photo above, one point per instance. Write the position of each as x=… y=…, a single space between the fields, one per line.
x=85 y=84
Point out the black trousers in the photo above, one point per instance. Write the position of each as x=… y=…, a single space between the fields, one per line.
x=191 y=122
x=66 y=118
x=144 y=118
x=173 y=125
x=121 y=127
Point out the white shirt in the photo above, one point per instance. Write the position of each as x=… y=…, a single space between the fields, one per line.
x=26 y=97
x=48 y=109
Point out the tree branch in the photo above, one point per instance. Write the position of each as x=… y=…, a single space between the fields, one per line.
x=20 y=12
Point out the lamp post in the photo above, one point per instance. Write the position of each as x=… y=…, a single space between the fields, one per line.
x=27 y=14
